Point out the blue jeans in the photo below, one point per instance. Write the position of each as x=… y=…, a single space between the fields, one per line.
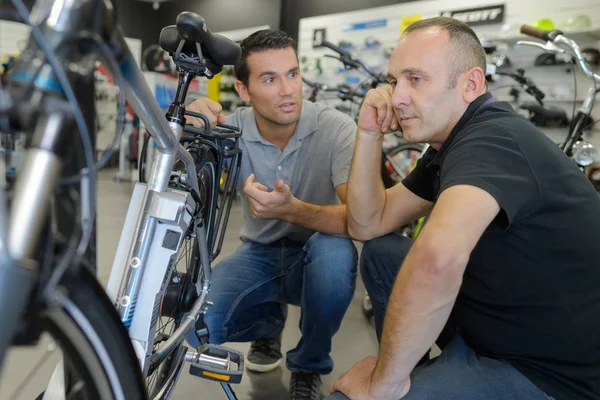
x=459 y=372
x=250 y=286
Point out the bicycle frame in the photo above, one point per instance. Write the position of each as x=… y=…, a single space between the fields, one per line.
x=65 y=23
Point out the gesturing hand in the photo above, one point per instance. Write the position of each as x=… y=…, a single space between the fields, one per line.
x=268 y=205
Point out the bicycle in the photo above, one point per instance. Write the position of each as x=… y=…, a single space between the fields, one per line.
x=114 y=342
x=582 y=152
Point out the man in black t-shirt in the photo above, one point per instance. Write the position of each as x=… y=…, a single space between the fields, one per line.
x=509 y=259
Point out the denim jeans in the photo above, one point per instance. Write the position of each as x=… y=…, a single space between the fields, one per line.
x=250 y=286
x=459 y=372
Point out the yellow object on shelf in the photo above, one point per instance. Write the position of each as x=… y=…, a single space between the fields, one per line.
x=544 y=23
x=214 y=91
x=407 y=20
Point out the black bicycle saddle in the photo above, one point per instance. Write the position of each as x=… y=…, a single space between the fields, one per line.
x=192 y=28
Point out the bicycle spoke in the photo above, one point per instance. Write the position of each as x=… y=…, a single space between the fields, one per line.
x=183 y=254
x=151 y=383
x=171 y=322
x=167 y=324
x=187 y=253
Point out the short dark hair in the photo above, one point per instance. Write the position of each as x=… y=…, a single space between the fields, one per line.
x=265 y=39
x=467 y=49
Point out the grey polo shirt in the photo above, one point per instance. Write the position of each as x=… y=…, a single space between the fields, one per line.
x=315 y=161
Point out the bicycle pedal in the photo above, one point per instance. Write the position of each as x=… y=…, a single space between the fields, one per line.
x=218 y=363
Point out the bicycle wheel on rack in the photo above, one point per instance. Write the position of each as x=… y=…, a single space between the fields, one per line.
x=398 y=161
x=96 y=350
x=182 y=276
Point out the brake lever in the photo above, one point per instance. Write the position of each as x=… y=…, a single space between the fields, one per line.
x=548 y=46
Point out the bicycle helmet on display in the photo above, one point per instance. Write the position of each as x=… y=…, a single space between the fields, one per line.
x=591 y=55
x=578 y=22
x=552 y=59
x=544 y=23
x=156 y=59
x=489 y=47
x=546 y=116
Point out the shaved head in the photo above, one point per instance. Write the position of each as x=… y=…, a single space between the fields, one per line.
x=466 y=52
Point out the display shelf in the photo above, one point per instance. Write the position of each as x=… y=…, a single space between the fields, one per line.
x=577 y=35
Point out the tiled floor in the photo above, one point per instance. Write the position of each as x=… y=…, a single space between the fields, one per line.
x=355 y=340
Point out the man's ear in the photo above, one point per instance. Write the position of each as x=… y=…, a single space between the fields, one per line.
x=242 y=91
x=475 y=84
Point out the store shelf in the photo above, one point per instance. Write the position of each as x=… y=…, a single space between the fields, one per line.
x=526 y=97
x=577 y=35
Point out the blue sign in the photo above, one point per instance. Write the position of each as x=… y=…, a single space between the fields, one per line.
x=164 y=95
x=359 y=26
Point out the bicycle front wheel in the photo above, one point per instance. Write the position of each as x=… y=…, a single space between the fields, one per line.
x=100 y=362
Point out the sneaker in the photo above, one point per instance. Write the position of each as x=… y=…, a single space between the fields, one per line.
x=264 y=355
x=305 y=386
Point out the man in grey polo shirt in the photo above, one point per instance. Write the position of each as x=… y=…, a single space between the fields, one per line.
x=295 y=250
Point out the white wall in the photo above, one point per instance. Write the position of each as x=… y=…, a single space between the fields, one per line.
x=554 y=80
x=240 y=34
x=517 y=12
x=14 y=36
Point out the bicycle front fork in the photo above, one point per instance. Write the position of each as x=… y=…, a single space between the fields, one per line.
x=30 y=204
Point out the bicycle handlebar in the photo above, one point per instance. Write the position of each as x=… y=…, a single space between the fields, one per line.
x=557 y=37
x=335 y=48
x=548 y=36
x=556 y=41
x=349 y=61
x=321 y=87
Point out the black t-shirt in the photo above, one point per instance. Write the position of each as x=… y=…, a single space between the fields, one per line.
x=531 y=290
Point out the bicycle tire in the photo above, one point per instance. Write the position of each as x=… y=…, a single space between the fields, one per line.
x=142 y=161
x=84 y=323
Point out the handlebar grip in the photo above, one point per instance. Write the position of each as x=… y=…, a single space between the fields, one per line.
x=333 y=47
x=548 y=36
x=535 y=32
